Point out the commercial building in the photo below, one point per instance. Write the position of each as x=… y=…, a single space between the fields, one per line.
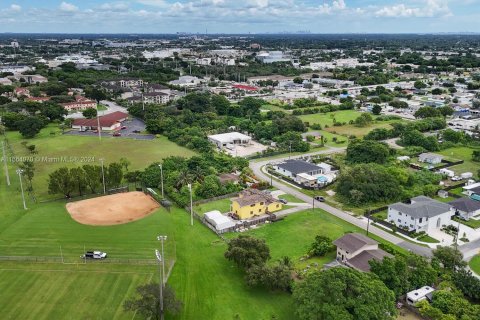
x=230 y=139
x=109 y=122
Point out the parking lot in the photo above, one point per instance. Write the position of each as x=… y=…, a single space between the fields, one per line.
x=133 y=130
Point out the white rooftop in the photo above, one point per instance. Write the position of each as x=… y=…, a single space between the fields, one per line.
x=229 y=137
x=218 y=220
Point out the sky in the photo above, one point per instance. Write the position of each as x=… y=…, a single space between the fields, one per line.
x=240 y=16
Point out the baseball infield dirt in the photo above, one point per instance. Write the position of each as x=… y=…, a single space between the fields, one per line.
x=113 y=209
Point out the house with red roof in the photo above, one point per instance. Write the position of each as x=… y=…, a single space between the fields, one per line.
x=108 y=122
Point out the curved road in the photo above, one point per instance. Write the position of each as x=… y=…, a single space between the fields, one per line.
x=359 y=222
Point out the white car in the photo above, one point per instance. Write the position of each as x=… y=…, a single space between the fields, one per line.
x=94 y=255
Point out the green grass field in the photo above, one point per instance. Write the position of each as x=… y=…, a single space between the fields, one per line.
x=327 y=118
x=55 y=291
x=222 y=205
x=290 y=198
x=293 y=235
x=140 y=153
x=465 y=154
x=475 y=264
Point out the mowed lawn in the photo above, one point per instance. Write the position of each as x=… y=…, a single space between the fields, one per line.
x=465 y=154
x=210 y=286
x=80 y=150
x=66 y=291
x=222 y=205
x=327 y=118
x=344 y=116
x=293 y=236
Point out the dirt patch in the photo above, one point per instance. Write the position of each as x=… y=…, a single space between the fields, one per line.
x=114 y=209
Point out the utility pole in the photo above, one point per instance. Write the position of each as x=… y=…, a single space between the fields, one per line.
x=368 y=221
x=99 y=129
x=19 y=172
x=160 y=284
x=5 y=163
x=103 y=177
x=162 y=239
x=161 y=178
x=191 y=204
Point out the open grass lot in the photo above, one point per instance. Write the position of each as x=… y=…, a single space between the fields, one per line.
x=359 y=132
x=293 y=235
x=54 y=291
x=327 y=118
x=475 y=264
x=139 y=152
x=222 y=205
x=465 y=154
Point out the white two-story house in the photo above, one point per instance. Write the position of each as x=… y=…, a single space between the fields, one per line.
x=422 y=214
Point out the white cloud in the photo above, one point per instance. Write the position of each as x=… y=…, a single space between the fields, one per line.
x=116 y=6
x=430 y=8
x=156 y=3
x=68 y=7
x=15 y=7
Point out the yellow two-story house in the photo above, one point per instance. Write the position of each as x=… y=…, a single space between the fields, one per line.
x=252 y=202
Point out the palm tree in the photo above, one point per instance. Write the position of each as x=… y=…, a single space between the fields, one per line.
x=183 y=179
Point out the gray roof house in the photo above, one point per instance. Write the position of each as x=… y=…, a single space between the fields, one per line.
x=466 y=207
x=294 y=167
x=421 y=214
x=356 y=250
x=431 y=158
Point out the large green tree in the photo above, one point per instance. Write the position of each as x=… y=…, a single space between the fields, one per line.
x=247 y=251
x=343 y=294
x=147 y=302
x=366 y=151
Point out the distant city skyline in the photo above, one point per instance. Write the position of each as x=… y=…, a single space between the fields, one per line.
x=240 y=17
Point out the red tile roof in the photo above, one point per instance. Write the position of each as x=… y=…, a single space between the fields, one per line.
x=105 y=121
x=244 y=87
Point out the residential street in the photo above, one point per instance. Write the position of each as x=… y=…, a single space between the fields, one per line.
x=360 y=222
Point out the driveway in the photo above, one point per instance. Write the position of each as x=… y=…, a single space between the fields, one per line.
x=360 y=222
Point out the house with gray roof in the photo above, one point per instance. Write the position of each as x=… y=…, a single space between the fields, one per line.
x=466 y=208
x=306 y=173
x=431 y=158
x=357 y=250
x=421 y=214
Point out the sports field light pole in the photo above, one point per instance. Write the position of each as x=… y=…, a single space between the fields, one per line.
x=103 y=177
x=191 y=204
x=160 y=284
x=161 y=178
x=5 y=163
x=162 y=239
x=19 y=172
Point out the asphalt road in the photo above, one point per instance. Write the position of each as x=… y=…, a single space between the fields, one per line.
x=359 y=222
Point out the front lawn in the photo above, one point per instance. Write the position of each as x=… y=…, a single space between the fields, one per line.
x=428 y=239
x=471 y=223
x=475 y=264
x=290 y=198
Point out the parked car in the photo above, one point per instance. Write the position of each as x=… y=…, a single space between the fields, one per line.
x=123 y=128
x=320 y=198
x=283 y=201
x=117 y=134
x=94 y=255
x=456 y=178
x=136 y=131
